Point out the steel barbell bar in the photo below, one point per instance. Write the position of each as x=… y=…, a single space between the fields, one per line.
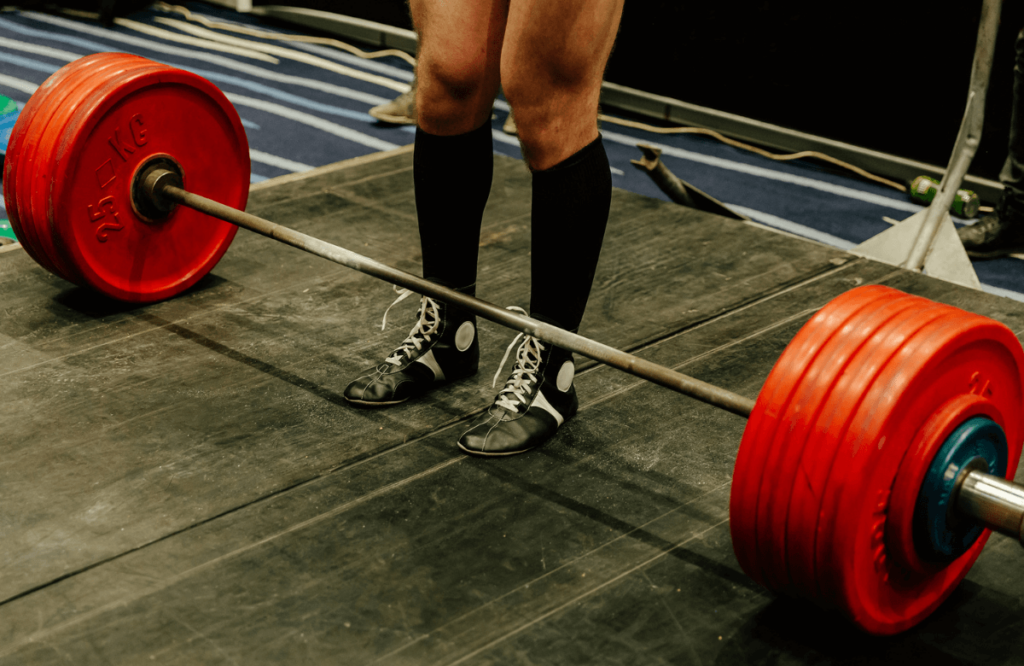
x=994 y=502
x=159 y=182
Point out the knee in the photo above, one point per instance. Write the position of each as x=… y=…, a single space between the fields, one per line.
x=563 y=89
x=533 y=83
x=452 y=76
x=453 y=94
x=555 y=114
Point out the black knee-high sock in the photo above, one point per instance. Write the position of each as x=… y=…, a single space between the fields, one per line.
x=452 y=177
x=570 y=212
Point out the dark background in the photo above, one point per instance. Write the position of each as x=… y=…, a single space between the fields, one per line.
x=892 y=76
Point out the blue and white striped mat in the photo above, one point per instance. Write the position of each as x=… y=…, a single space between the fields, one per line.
x=305 y=105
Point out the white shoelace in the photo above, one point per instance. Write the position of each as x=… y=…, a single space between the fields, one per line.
x=525 y=371
x=429 y=322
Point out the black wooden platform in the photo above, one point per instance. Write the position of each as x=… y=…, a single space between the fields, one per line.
x=183 y=482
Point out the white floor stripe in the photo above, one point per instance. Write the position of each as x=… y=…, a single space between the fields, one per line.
x=505 y=138
x=339 y=91
x=312 y=121
x=169 y=36
x=17 y=84
x=283 y=52
x=28 y=63
x=19 y=29
x=792 y=227
x=240 y=67
x=36 y=49
x=1005 y=293
x=282 y=96
x=761 y=172
x=275 y=161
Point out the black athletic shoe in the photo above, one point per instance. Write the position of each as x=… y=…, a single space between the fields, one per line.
x=997 y=235
x=441 y=347
x=538 y=397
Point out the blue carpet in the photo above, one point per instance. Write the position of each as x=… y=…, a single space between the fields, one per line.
x=301 y=110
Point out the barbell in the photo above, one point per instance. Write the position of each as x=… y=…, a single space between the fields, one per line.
x=877 y=457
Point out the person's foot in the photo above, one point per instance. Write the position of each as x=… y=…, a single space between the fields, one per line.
x=997 y=235
x=538 y=397
x=441 y=347
x=399 y=111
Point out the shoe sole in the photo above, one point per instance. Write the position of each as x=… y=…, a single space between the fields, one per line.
x=367 y=403
x=495 y=454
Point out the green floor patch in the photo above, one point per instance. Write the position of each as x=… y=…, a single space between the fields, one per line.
x=6 y=231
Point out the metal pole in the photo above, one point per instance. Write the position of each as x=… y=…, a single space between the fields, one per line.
x=967 y=139
x=161 y=183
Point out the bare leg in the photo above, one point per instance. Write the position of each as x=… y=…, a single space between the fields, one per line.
x=459 y=56
x=552 y=64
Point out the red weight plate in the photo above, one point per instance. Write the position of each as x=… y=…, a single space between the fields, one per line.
x=21 y=177
x=805 y=521
x=951 y=355
x=896 y=362
x=797 y=435
x=45 y=134
x=13 y=161
x=170 y=113
x=878 y=338
x=84 y=90
x=786 y=439
x=773 y=399
x=751 y=469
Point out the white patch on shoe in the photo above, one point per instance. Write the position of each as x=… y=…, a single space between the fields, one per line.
x=542 y=402
x=464 y=336
x=565 y=375
x=431 y=362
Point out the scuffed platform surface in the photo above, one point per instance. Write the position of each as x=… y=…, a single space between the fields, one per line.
x=183 y=482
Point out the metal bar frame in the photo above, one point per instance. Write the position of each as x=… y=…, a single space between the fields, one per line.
x=967 y=139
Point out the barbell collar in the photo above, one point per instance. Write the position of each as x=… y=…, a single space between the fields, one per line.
x=150 y=179
x=992 y=501
x=165 y=188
